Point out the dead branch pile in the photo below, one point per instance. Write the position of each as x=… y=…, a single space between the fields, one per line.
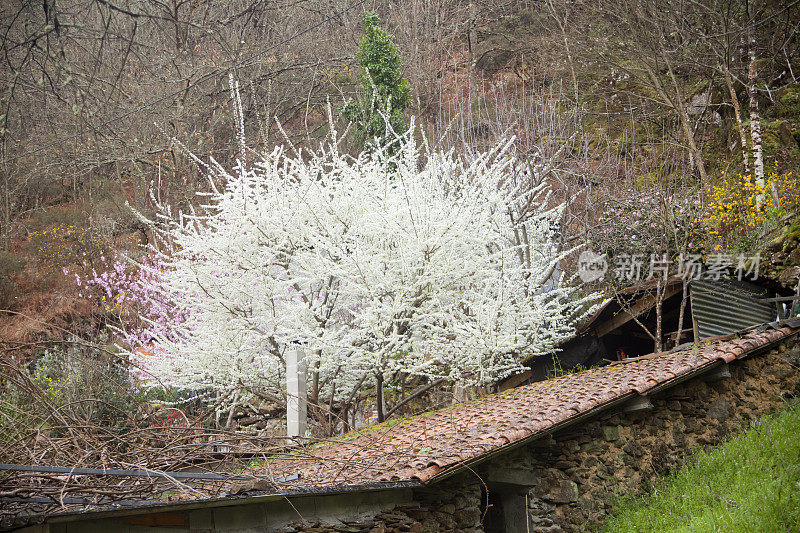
x=61 y=453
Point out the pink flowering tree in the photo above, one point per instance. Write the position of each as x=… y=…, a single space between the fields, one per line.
x=132 y=296
x=647 y=222
x=648 y=234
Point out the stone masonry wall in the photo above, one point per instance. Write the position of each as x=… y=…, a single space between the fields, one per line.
x=576 y=476
x=448 y=507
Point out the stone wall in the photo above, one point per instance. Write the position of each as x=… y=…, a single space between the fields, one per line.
x=576 y=476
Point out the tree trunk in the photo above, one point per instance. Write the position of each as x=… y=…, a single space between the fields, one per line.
x=472 y=37
x=345 y=419
x=686 y=124
x=379 y=396
x=657 y=344
x=562 y=25
x=5 y=230
x=232 y=412
x=473 y=33
x=739 y=125
x=682 y=312
x=776 y=199
x=755 y=120
x=315 y=384
x=415 y=394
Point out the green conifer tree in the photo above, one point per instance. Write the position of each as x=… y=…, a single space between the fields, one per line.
x=384 y=89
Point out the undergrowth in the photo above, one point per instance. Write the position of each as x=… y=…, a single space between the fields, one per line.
x=749 y=484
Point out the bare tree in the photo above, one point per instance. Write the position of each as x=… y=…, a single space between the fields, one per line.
x=93 y=91
x=650 y=47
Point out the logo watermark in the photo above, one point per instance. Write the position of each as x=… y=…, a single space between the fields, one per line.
x=591 y=266
x=637 y=267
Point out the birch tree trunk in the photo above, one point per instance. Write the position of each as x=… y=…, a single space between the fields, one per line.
x=755 y=120
x=658 y=344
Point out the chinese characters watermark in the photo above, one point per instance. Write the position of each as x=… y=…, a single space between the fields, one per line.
x=637 y=267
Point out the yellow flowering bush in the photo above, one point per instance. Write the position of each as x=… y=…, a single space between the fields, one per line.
x=114 y=304
x=731 y=208
x=63 y=245
x=788 y=190
x=47 y=383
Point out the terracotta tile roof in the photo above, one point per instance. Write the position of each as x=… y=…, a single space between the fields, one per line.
x=428 y=445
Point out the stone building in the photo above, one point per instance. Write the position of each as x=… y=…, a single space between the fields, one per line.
x=548 y=456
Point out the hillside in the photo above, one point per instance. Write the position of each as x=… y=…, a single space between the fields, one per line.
x=749 y=483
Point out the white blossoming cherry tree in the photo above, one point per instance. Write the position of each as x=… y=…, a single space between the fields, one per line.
x=419 y=264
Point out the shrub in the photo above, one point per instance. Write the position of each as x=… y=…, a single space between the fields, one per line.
x=89 y=386
x=649 y=222
x=130 y=294
x=58 y=215
x=732 y=214
x=63 y=245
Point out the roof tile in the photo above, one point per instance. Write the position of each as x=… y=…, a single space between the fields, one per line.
x=423 y=447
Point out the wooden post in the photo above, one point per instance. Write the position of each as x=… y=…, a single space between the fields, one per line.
x=296 y=404
x=695 y=328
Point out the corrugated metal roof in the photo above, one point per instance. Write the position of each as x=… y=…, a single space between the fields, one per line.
x=727 y=305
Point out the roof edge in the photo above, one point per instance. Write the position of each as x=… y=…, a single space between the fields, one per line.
x=188 y=505
x=467 y=465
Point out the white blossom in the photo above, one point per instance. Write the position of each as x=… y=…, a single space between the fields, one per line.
x=427 y=264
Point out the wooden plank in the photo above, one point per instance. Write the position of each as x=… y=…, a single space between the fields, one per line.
x=636 y=309
x=642 y=403
x=174 y=519
x=718 y=374
x=515 y=380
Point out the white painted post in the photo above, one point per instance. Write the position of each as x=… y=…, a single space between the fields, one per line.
x=296 y=407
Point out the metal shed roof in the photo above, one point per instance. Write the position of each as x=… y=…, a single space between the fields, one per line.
x=727 y=305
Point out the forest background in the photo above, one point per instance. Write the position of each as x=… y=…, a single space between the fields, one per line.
x=670 y=128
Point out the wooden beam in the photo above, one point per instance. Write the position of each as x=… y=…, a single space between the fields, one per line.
x=173 y=519
x=508 y=475
x=642 y=403
x=644 y=303
x=723 y=372
x=779 y=299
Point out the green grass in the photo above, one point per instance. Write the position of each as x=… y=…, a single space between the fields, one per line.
x=751 y=483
